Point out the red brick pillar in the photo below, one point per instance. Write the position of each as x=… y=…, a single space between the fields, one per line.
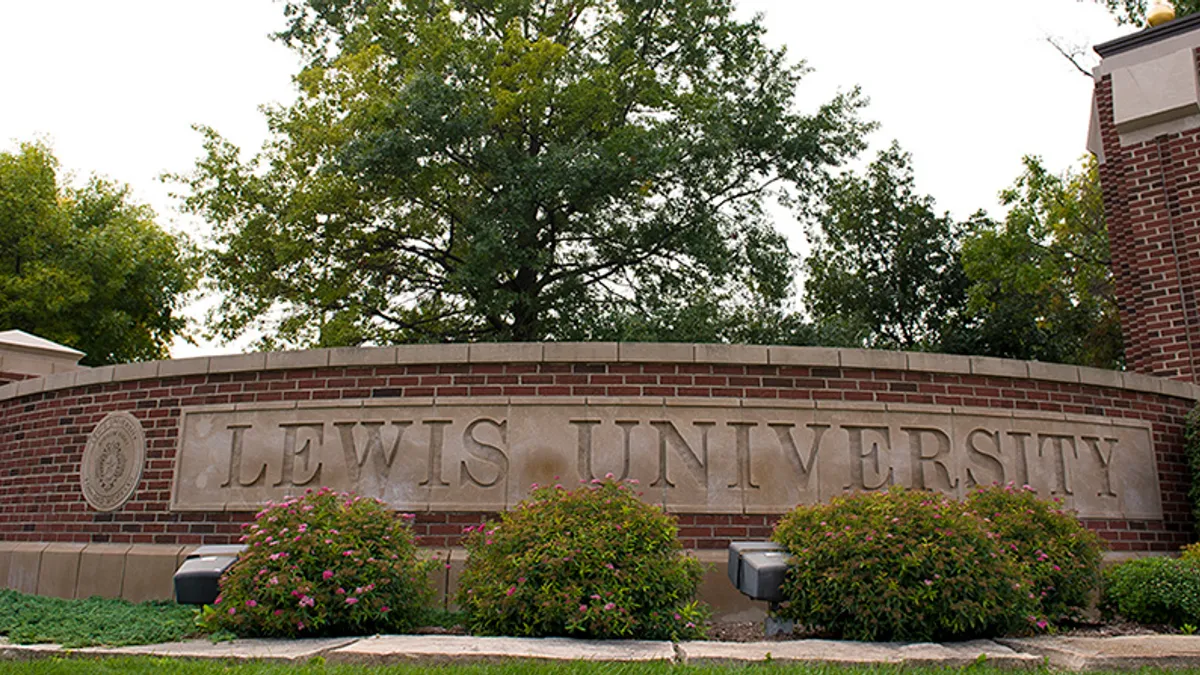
x=1146 y=133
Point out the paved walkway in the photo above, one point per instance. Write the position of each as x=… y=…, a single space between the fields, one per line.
x=1066 y=653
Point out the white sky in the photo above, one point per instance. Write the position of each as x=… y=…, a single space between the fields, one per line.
x=967 y=87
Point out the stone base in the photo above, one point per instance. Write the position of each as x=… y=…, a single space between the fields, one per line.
x=142 y=572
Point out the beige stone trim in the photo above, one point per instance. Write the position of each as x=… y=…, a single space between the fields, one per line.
x=802 y=356
x=609 y=352
x=315 y=358
x=986 y=365
x=182 y=367
x=576 y=352
x=34 y=386
x=127 y=372
x=362 y=356
x=870 y=358
x=25 y=562
x=949 y=364
x=102 y=375
x=59 y=571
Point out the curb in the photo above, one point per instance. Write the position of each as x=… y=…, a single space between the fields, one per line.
x=1064 y=653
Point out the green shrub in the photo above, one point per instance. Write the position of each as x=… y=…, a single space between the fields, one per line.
x=593 y=562
x=328 y=563
x=1191 y=551
x=1191 y=450
x=900 y=565
x=1153 y=590
x=1058 y=554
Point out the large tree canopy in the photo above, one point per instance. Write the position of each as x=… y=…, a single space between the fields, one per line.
x=516 y=170
x=1041 y=286
x=86 y=267
x=885 y=265
x=1134 y=11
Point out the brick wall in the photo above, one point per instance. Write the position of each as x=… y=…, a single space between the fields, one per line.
x=42 y=435
x=1151 y=200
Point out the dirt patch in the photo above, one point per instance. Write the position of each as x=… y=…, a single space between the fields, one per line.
x=752 y=631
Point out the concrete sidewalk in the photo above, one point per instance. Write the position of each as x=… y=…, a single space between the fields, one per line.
x=1066 y=653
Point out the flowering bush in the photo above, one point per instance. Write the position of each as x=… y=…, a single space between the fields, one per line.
x=328 y=563
x=1154 y=590
x=1057 y=554
x=1190 y=552
x=592 y=562
x=900 y=565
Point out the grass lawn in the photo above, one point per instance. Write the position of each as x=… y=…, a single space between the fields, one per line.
x=158 y=666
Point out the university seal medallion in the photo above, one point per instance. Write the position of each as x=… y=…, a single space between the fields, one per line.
x=112 y=461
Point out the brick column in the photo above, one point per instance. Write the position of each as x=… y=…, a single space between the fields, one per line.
x=1146 y=134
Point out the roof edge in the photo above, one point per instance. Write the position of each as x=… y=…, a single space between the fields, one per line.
x=1148 y=36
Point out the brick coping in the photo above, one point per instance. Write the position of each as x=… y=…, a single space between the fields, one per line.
x=607 y=352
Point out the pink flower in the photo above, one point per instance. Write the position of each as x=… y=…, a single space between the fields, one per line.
x=232 y=611
x=251 y=603
x=351 y=601
x=610 y=606
x=327 y=575
x=278 y=612
x=347 y=553
x=300 y=625
x=384 y=609
x=510 y=591
x=1042 y=624
x=306 y=601
x=582 y=608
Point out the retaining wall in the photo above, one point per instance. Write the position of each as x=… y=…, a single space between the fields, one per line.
x=727 y=437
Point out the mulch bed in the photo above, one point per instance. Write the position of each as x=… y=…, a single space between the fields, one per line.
x=752 y=631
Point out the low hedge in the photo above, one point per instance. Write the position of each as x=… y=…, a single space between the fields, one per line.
x=901 y=565
x=328 y=563
x=1057 y=554
x=1153 y=591
x=593 y=562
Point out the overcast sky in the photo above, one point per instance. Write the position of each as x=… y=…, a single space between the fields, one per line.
x=967 y=87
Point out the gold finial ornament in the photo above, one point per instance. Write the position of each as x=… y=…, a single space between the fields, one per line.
x=1160 y=12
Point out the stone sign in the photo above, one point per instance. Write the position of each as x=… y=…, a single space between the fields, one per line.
x=698 y=458
x=112 y=461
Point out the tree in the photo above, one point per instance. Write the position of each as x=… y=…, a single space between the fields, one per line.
x=87 y=267
x=883 y=261
x=1040 y=283
x=511 y=170
x=1134 y=11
